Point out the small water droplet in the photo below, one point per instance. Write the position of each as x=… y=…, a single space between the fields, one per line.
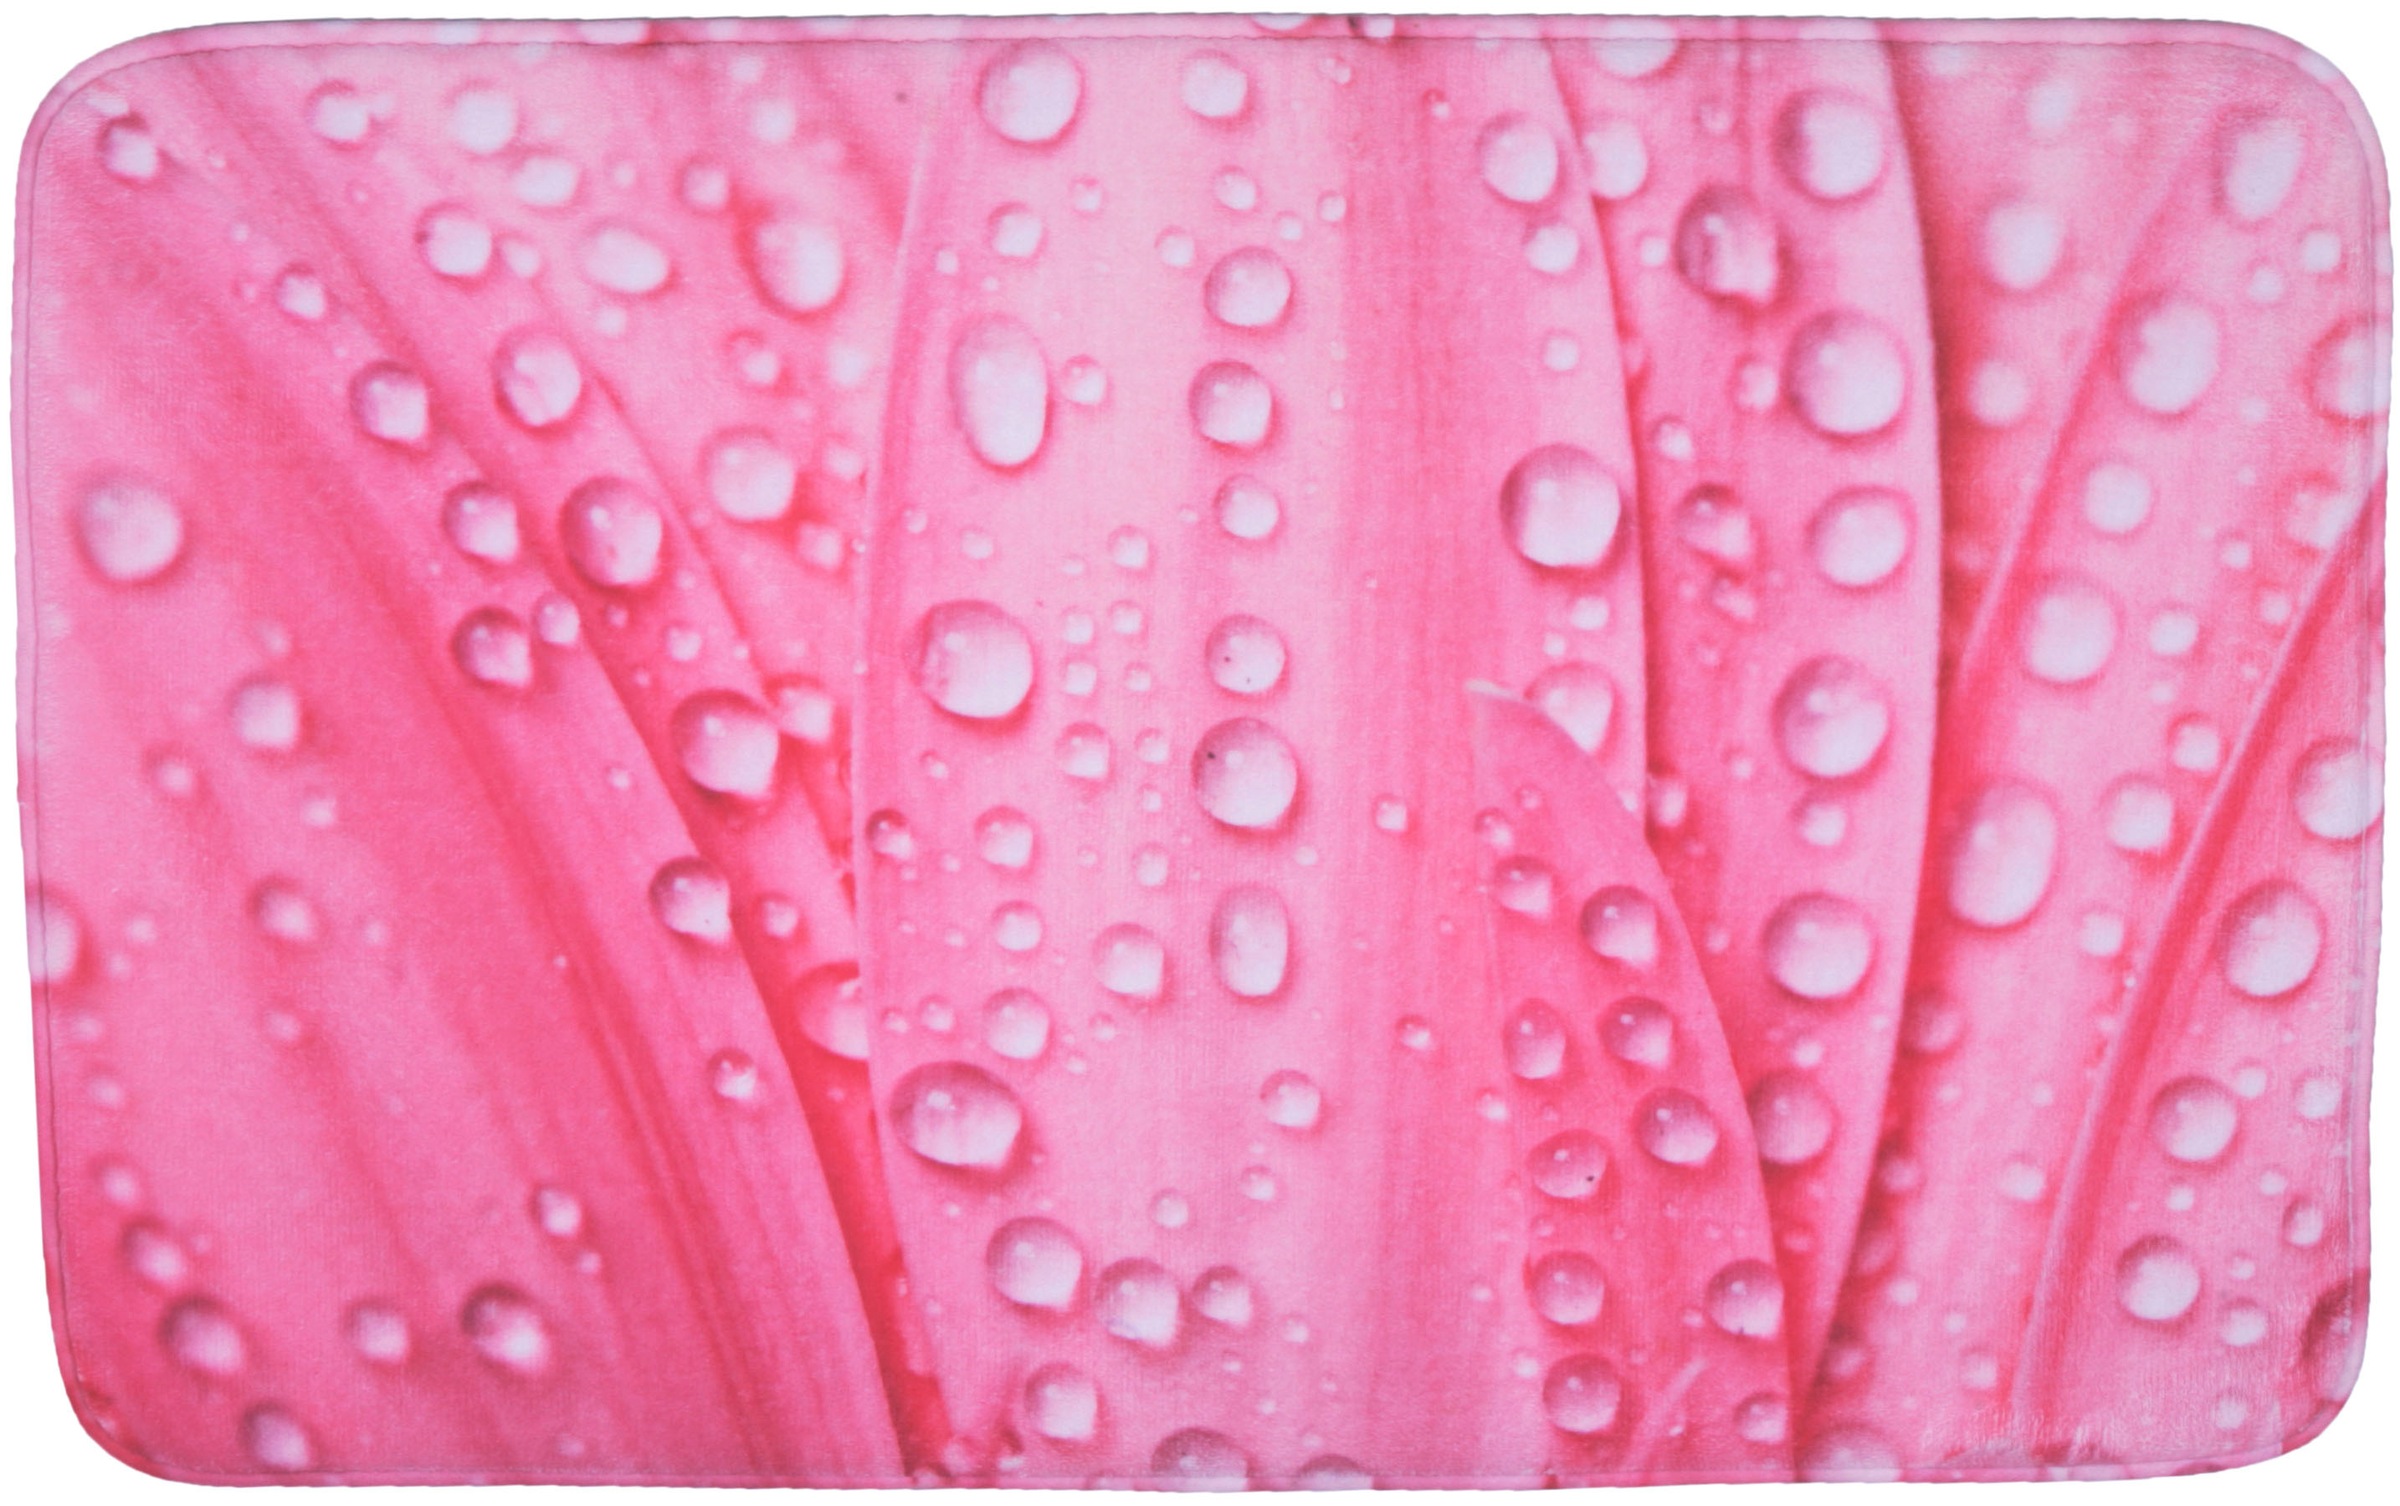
x=282 y=913
x=1000 y=391
x=1713 y=523
x=1859 y=537
x=1249 y=288
x=1639 y=1032
x=506 y=1330
x=493 y=647
x=1745 y=1299
x=827 y=1004
x=1004 y=838
x=1197 y=1459
x=1524 y=886
x=2193 y=1120
x=2258 y=161
x=1579 y=700
x=974 y=660
x=1850 y=1455
x=277 y=1440
x=1621 y=924
x=2352 y=377
x=1213 y=86
x=201 y=1336
x=1831 y=718
x=1830 y=145
x=1818 y=947
x=614 y=535
x=1016 y=1024
x=1616 y=158
x=733 y=1076
x=378 y=1334
x=957 y=1114
x=483 y=120
x=691 y=898
x=1249 y=940
x=1534 y=1041
x=1232 y=405
x=128 y=150
x=1582 y=1395
x=2157 y=1280
x=2270 y=940
x=2167 y=354
x=1062 y=1404
x=1566 y=1287
x=1518 y=158
x=2023 y=242
x=1291 y=1100
x=453 y=242
x=390 y=403
x=1726 y=247
x=726 y=743
x=1136 y=1300
x=1029 y=93
x=1791 y=1117
x=1764 y=1418
x=1248 y=510
x=1561 y=508
x=2001 y=863
x=130 y=530
x=1245 y=775
x=1131 y=963
x=1035 y=1262
x=1246 y=656
x=1846 y=375
x=1676 y=1128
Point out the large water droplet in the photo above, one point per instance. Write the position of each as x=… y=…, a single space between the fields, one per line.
x=1035 y=1262
x=957 y=1114
x=1000 y=391
x=1245 y=775
x=1859 y=537
x=2167 y=353
x=831 y=1009
x=201 y=1336
x=1579 y=700
x=691 y=897
x=2352 y=376
x=614 y=534
x=1030 y=93
x=1582 y=1395
x=2068 y=631
x=1197 y=1459
x=1726 y=247
x=1250 y=941
x=1676 y=1128
x=1818 y=947
x=1792 y=1118
x=1566 y=1287
x=797 y=261
x=1232 y=405
x=1518 y=158
x=1846 y=375
x=1137 y=1301
x=493 y=647
x=726 y=743
x=390 y=403
x=1246 y=656
x=506 y=1330
x=2270 y=940
x=1639 y=1032
x=1830 y=144
x=1568 y=1165
x=1561 y=508
x=1213 y=86
x=1831 y=718
x=1248 y=289
x=2337 y=790
x=2001 y=863
x=2157 y=1280
x=1131 y=963
x=1534 y=1040
x=130 y=530
x=974 y=660
x=2258 y=161
x=1062 y=1404
x=1621 y=924
x=2193 y=1119
x=1745 y=1299
x=2022 y=243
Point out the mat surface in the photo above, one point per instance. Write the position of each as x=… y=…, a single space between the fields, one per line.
x=1179 y=751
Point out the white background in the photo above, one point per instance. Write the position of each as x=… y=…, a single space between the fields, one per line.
x=44 y=1455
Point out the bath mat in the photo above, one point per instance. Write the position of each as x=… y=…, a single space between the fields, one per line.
x=1197 y=752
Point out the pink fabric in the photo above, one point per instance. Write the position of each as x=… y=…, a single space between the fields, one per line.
x=1175 y=751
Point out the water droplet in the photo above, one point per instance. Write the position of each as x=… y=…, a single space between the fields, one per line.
x=1000 y=391
x=493 y=647
x=1566 y=1287
x=974 y=660
x=2069 y=631
x=53 y=937
x=1568 y=1165
x=2001 y=863
x=1131 y=963
x=1676 y=1128
x=2258 y=161
x=1830 y=145
x=2303 y=1225
x=2333 y=1346
x=282 y=913
x=750 y=477
x=2167 y=354
x=378 y=1334
x=266 y=716
x=153 y=1255
x=1581 y=1395
x=1030 y=93
x=1534 y=1040
x=506 y=1330
x=1083 y=750
x=1579 y=700
x=1818 y=947
x=2242 y=1324
x=277 y=1440
x=2140 y=816
x=483 y=120
x=2157 y=1280
x=2193 y=1119
x=1197 y=1459
x=726 y=743
x=1035 y=1262
x=1248 y=510
x=1845 y=375
x=1136 y=1300
x=453 y=242
x=1291 y=1100
x=2023 y=242
x=956 y=1114
x=1518 y=158
x=2270 y=940
x=131 y=531
x=1245 y=775
x=537 y=378
x=340 y=114
x=1004 y=838
x=830 y=1009
x=613 y=534
x=1524 y=886
x=797 y=261
x=1249 y=940
x=733 y=1076
x=1639 y=1032
x=390 y=403
x=1248 y=289
x=545 y=182
x=1246 y=656
x=1622 y=925
x=1016 y=1024
x=1232 y=405
x=1745 y=1299
x=623 y=260
x=1712 y=523
x=1062 y=1404
x=691 y=898
x=1632 y=48
x=201 y=1336
x=1850 y=1455
x=1765 y=1418
x=1727 y=247
x=1859 y=537
x=2317 y=1098
x=1213 y=86
x=1831 y=718
x=2195 y=746
x=128 y=150
x=481 y=523
x=1792 y=1118
x=2353 y=372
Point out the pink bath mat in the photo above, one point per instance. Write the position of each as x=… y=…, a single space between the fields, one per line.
x=1191 y=752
